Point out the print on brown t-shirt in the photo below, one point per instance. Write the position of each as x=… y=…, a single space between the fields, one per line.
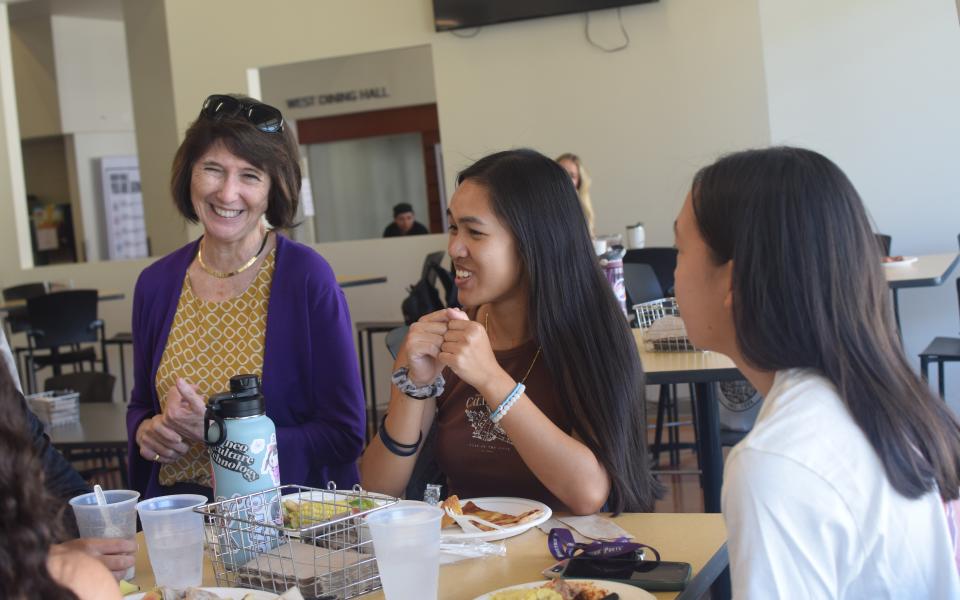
x=476 y=454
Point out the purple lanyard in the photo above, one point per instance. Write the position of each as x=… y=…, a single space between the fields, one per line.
x=562 y=545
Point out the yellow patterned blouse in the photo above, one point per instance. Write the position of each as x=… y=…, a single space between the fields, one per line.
x=209 y=343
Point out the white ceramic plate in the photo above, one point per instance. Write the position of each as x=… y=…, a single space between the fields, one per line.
x=626 y=592
x=510 y=506
x=228 y=593
x=907 y=260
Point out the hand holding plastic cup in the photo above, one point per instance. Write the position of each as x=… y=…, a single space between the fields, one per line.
x=116 y=518
x=174 y=535
x=406 y=541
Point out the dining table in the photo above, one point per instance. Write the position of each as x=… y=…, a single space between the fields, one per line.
x=928 y=270
x=101 y=431
x=702 y=369
x=102 y=296
x=695 y=538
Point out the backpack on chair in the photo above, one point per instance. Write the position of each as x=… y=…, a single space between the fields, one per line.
x=423 y=297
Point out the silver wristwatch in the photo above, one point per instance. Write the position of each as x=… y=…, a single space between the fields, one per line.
x=401 y=379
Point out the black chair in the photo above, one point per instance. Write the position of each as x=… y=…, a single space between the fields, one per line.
x=662 y=259
x=641 y=283
x=121 y=339
x=883 y=242
x=941 y=350
x=60 y=319
x=16 y=318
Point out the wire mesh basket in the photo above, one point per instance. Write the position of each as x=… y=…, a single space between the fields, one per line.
x=662 y=328
x=293 y=535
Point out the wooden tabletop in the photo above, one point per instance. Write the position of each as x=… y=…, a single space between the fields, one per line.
x=685 y=367
x=101 y=425
x=692 y=538
x=928 y=270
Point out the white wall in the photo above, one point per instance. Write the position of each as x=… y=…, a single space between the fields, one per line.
x=93 y=78
x=36 y=74
x=875 y=86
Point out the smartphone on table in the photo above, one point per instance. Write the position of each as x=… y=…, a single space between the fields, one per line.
x=648 y=575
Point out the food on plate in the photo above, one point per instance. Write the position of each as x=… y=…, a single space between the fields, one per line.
x=453 y=503
x=893 y=259
x=497 y=518
x=558 y=589
x=128 y=588
x=310 y=512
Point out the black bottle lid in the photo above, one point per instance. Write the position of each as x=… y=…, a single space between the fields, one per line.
x=243 y=400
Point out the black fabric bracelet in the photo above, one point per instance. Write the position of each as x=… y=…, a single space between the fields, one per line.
x=394 y=446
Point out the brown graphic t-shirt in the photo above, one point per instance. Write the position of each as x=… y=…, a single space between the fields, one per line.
x=476 y=454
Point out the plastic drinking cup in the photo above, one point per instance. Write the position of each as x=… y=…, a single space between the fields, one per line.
x=174 y=534
x=116 y=519
x=406 y=541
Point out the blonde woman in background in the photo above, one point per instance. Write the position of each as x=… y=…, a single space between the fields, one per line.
x=581 y=180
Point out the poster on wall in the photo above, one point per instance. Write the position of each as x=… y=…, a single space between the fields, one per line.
x=123 y=207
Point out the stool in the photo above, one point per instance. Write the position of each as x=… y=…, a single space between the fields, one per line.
x=369 y=328
x=940 y=350
x=119 y=340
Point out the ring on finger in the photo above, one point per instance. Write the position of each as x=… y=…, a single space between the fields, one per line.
x=156 y=457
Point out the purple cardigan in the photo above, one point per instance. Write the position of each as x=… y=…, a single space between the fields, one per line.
x=311 y=378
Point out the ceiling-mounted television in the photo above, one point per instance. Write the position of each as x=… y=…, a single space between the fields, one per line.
x=460 y=14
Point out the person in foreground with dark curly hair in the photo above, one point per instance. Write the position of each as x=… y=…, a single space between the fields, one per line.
x=63 y=483
x=31 y=565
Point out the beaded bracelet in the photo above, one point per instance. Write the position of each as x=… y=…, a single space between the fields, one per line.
x=393 y=445
x=512 y=398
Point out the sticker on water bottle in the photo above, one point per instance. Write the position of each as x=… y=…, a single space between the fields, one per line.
x=257 y=445
x=271 y=462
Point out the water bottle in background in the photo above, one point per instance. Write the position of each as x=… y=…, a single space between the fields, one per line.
x=243 y=452
x=636 y=236
x=612 y=263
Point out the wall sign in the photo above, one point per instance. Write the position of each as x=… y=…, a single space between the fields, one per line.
x=370 y=93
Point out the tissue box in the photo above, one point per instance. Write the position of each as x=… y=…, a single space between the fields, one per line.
x=53 y=408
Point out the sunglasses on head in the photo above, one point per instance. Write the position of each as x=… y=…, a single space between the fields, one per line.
x=262 y=116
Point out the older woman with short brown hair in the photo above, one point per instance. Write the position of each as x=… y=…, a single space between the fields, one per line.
x=241 y=299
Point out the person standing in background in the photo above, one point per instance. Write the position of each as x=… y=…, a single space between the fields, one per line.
x=404 y=222
x=243 y=298
x=572 y=164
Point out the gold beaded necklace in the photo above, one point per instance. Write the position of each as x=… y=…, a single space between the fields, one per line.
x=486 y=322
x=226 y=274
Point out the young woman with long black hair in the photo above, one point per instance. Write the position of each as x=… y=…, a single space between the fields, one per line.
x=542 y=384
x=839 y=490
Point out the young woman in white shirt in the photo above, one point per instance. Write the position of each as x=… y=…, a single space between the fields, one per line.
x=839 y=490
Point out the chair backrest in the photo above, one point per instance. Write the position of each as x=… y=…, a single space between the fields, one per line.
x=883 y=242
x=395 y=339
x=17 y=318
x=62 y=318
x=641 y=283
x=662 y=259
x=93 y=386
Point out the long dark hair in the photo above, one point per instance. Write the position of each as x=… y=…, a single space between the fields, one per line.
x=29 y=515
x=574 y=316
x=808 y=292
